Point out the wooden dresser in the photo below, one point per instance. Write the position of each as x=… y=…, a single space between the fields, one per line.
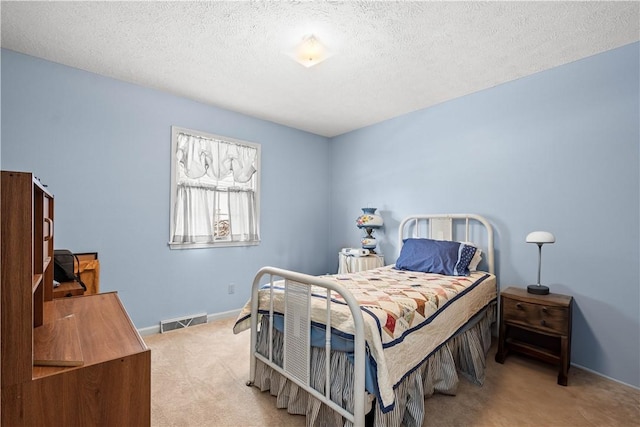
x=65 y=362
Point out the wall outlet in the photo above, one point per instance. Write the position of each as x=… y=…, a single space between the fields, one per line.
x=232 y=288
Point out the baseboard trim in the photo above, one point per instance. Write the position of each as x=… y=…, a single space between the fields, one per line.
x=604 y=376
x=224 y=315
x=152 y=330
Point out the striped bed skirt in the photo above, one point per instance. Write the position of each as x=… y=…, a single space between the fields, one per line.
x=464 y=353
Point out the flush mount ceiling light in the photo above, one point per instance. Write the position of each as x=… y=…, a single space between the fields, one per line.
x=309 y=51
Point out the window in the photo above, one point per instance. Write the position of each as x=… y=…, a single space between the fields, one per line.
x=215 y=190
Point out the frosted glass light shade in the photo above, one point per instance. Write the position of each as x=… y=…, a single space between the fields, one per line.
x=540 y=237
x=309 y=52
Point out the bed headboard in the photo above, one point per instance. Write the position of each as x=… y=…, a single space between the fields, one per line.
x=456 y=227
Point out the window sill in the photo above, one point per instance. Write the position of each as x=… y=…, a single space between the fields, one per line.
x=211 y=245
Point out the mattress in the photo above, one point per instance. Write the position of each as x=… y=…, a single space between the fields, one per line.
x=407 y=315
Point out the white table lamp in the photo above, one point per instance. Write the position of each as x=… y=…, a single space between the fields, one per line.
x=539 y=238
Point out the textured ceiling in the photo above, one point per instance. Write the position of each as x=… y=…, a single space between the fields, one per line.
x=389 y=58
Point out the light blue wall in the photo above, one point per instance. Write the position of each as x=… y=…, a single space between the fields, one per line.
x=103 y=148
x=556 y=151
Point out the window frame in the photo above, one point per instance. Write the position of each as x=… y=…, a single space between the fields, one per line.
x=175 y=131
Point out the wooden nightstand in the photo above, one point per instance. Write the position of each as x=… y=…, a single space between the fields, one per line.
x=536 y=325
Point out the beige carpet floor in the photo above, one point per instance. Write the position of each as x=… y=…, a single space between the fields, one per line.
x=198 y=377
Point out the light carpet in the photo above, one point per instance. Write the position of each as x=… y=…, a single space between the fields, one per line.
x=198 y=377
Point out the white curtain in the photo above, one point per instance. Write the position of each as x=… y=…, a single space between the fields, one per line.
x=194 y=215
x=216 y=179
x=243 y=227
x=217 y=159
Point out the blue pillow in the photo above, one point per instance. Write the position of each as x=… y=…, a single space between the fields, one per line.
x=435 y=256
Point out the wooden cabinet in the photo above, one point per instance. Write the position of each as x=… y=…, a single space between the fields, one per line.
x=536 y=325
x=26 y=270
x=71 y=361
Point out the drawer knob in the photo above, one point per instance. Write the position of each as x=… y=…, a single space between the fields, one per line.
x=543 y=323
x=544 y=309
x=519 y=306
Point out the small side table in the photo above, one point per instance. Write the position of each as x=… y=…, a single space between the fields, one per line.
x=536 y=325
x=354 y=264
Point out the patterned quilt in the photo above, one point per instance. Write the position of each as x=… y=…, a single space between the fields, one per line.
x=398 y=309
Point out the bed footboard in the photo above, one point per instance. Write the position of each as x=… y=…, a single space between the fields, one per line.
x=297 y=335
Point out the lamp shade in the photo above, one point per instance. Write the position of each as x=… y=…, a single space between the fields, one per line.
x=540 y=237
x=369 y=219
x=309 y=52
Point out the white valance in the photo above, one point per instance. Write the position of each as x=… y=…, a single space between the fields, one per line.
x=217 y=159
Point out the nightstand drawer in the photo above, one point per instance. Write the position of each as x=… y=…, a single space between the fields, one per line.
x=541 y=317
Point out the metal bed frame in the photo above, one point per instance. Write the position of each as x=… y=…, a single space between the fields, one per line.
x=297 y=314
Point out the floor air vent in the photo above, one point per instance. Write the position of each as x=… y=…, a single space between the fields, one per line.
x=184 y=322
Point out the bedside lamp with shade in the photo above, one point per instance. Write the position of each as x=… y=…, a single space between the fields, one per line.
x=369 y=221
x=539 y=238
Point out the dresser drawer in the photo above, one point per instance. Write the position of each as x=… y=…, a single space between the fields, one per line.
x=541 y=317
